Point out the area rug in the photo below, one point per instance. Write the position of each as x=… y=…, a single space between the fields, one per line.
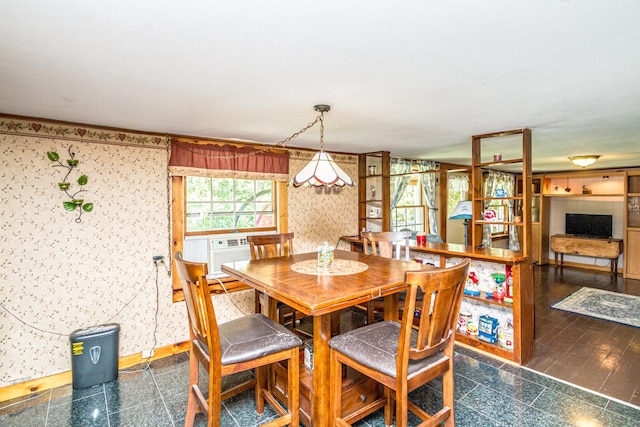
x=606 y=305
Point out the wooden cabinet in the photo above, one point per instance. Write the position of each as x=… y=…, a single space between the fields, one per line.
x=632 y=255
x=374 y=187
x=539 y=221
x=487 y=259
x=632 y=226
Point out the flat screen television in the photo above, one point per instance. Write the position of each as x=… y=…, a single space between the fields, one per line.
x=589 y=225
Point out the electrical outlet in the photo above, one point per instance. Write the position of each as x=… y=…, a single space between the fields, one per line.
x=147 y=353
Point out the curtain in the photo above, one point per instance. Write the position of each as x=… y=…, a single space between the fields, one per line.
x=459 y=184
x=510 y=187
x=229 y=161
x=399 y=183
x=505 y=181
x=428 y=181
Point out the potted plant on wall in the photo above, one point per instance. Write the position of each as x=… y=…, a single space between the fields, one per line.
x=76 y=203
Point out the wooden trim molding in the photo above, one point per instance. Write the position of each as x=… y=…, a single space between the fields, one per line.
x=39 y=385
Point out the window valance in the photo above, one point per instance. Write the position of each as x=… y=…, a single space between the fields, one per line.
x=228 y=160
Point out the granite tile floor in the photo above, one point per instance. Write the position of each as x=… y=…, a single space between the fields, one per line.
x=488 y=393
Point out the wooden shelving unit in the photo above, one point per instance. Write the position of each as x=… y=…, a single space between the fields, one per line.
x=632 y=225
x=521 y=264
x=478 y=166
x=374 y=191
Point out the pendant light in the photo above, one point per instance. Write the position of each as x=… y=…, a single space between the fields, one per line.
x=322 y=170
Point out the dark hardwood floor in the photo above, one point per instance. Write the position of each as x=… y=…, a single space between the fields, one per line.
x=599 y=355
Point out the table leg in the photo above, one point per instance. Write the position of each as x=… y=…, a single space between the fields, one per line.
x=321 y=371
x=391 y=307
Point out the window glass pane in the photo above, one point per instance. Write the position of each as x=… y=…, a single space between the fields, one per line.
x=221 y=189
x=245 y=221
x=198 y=189
x=222 y=222
x=198 y=216
x=228 y=204
x=264 y=190
x=245 y=207
x=264 y=207
x=265 y=220
x=244 y=189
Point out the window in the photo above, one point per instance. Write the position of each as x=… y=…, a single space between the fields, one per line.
x=457 y=190
x=224 y=204
x=410 y=213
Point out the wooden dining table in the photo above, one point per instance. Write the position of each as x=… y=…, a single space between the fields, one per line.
x=297 y=281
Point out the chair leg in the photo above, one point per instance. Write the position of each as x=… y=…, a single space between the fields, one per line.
x=389 y=395
x=260 y=385
x=193 y=379
x=447 y=394
x=293 y=388
x=335 y=387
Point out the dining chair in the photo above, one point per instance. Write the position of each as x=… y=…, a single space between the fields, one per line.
x=269 y=246
x=385 y=244
x=249 y=342
x=403 y=356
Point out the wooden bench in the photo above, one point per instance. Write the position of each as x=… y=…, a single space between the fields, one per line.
x=586 y=246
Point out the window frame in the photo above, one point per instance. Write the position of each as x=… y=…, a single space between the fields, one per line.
x=274 y=202
x=417 y=182
x=177 y=190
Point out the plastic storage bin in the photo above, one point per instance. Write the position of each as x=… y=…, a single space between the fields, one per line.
x=94 y=355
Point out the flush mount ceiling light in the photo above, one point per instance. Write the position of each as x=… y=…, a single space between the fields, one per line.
x=322 y=170
x=584 y=161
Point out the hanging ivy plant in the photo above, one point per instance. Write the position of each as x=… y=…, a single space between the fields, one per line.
x=76 y=203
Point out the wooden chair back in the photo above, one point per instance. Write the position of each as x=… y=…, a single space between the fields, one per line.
x=383 y=243
x=270 y=245
x=203 y=325
x=439 y=307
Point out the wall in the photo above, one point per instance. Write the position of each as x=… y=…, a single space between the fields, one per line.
x=58 y=275
x=601 y=205
x=317 y=218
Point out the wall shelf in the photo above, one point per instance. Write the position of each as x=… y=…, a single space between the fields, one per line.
x=374 y=191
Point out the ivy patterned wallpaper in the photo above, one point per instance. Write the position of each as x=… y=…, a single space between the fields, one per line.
x=57 y=275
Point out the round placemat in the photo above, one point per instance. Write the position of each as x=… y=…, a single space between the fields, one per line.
x=341 y=267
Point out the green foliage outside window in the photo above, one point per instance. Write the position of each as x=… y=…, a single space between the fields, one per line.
x=220 y=204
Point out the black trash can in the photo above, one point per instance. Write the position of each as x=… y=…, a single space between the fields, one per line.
x=94 y=355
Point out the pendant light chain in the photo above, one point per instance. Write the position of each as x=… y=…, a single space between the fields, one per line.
x=285 y=141
x=321 y=117
x=281 y=144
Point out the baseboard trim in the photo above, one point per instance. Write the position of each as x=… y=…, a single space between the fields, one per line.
x=64 y=378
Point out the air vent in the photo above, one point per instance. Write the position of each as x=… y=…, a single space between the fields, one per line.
x=232 y=243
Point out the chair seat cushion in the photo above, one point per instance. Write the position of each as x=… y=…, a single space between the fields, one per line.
x=253 y=336
x=376 y=346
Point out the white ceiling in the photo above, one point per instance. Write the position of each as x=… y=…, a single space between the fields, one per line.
x=417 y=78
